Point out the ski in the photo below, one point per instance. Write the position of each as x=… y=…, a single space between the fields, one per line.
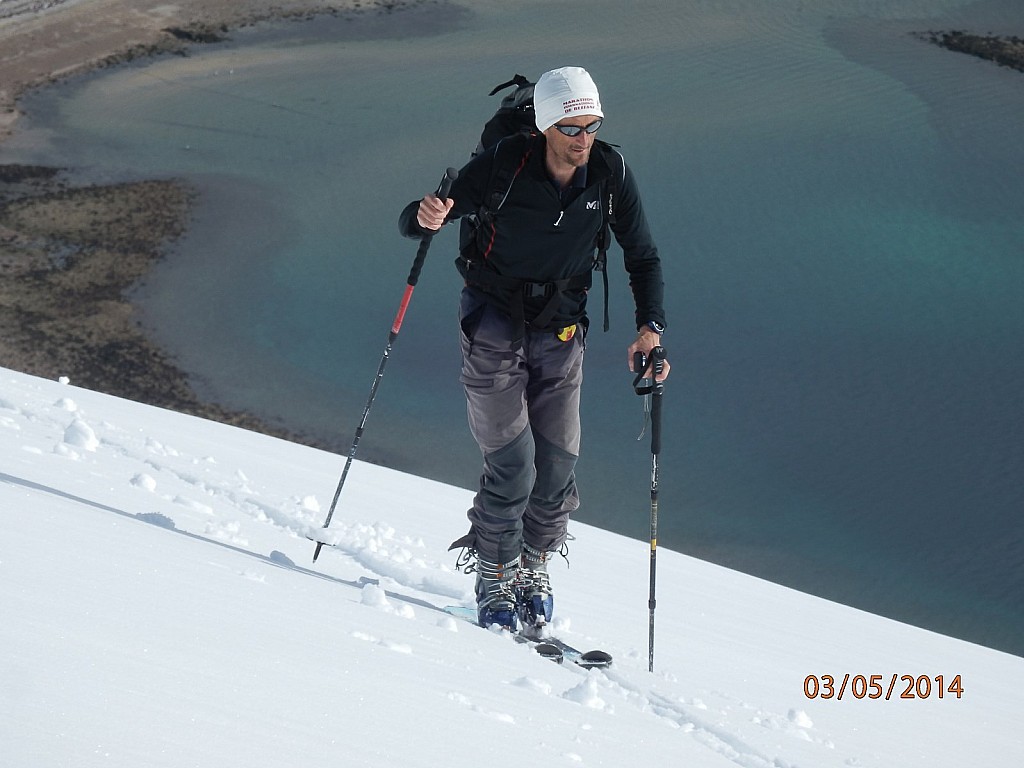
x=549 y=647
x=549 y=651
x=594 y=659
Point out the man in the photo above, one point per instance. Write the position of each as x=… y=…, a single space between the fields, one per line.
x=528 y=262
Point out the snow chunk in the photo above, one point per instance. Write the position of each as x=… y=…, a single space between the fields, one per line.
x=449 y=623
x=80 y=435
x=144 y=481
x=374 y=596
x=63 y=449
x=586 y=694
x=67 y=404
x=800 y=718
x=228 y=531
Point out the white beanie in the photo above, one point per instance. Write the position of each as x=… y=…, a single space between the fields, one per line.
x=562 y=93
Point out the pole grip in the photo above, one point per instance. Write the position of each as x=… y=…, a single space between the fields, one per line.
x=657 y=390
x=445 y=187
x=656 y=424
x=443 y=190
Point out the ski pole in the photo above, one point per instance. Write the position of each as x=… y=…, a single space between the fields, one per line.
x=651 y=386
x=414 y=275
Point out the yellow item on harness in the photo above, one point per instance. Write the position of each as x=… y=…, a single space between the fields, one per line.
x=567 y=333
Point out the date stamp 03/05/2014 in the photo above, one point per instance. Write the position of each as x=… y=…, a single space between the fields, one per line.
x=887 y=687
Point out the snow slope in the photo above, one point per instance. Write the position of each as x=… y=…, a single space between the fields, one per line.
x=159 y=607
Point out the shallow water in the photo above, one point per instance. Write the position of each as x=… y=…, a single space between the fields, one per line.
x=838 y=211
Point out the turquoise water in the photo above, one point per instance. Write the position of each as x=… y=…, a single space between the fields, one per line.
x=838 y=206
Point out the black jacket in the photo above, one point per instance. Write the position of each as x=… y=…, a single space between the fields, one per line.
x=540 y=237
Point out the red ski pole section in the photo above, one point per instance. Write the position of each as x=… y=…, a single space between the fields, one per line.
x=400 y=316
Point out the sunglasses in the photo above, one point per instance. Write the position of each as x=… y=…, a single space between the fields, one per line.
x=575 y=130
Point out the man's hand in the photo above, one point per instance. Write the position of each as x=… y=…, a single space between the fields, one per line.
x=647 y=340
x=433 y=211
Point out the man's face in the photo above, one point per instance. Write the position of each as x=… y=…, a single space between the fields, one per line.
x=572 y=150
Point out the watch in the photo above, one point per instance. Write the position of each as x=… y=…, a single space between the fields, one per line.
x=655 y=326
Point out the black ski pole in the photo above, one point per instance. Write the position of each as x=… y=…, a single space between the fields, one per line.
x=414 y=275
x=644 y=385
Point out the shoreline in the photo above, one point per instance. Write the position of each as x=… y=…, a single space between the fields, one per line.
x=70 y=251
x=46 y=41
x=68 y=256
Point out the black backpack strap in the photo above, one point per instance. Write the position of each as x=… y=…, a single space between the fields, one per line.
x=609 y=198
x=601 y=265
x=510 y=157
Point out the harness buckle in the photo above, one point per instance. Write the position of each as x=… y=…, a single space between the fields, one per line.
x=538 y=290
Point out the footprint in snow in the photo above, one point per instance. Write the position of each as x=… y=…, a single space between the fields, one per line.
x=465 y=701
x=402 y=648
x=532 y=684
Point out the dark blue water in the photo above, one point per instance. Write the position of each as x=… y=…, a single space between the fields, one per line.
x=839 y=209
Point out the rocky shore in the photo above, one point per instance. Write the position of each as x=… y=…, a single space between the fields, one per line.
x=70 y=251
x=1005 y=51
x=68 y=255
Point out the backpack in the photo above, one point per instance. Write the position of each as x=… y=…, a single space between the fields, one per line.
x=515 y=117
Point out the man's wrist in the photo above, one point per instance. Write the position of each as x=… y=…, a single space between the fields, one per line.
x=654 y=325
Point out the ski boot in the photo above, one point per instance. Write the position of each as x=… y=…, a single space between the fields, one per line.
x=535 y=602
x=495 y=593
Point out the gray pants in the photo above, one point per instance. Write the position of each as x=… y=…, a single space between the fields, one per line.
x=524 y=412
